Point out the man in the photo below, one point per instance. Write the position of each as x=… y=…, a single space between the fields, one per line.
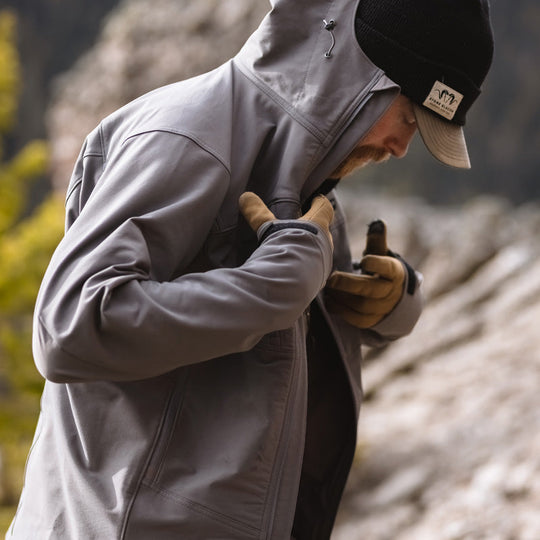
x=198 y=385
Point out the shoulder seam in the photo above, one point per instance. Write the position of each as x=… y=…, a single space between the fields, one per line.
x=186 y=134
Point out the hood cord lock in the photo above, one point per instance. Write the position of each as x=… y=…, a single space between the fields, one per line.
x=330 y=25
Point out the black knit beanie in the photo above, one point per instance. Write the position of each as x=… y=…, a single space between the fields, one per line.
x=436 y=50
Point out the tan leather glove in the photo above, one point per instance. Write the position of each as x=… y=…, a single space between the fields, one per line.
x=365 y=299
x=257 y=214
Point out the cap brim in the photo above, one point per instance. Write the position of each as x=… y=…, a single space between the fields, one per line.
x=445 y=141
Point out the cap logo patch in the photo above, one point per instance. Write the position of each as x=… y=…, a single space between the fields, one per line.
x=443 y=100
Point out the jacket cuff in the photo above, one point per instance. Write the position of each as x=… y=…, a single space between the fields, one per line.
x=402 y=319
x=274 y=226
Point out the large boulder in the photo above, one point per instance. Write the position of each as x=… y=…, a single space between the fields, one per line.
x=144 y=44
x=449 y=444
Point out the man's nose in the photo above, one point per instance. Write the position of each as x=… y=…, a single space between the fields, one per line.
x=398 y=146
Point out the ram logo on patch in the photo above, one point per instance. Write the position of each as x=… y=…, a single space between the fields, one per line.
x=443 y=100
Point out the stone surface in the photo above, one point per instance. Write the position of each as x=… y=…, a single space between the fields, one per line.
x=449 y=436
x=144 y=44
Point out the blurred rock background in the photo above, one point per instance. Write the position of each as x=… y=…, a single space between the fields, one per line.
x=449 y=435
x=449 y=438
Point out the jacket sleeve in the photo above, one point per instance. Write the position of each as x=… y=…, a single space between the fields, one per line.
x=403 y=318
x=106 y=309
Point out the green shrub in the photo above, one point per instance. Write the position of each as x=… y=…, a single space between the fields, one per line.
x=26 y=245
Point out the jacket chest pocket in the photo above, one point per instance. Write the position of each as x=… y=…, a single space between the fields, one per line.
x=166 y=427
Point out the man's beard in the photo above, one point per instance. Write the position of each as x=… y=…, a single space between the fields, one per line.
x=359 y=157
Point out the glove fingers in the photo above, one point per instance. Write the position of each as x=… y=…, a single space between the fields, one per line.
x=386 y=267
x=364 y=300
x=359 y=285
x=376 y=238
x=364 y=305
x=321 y=212
x=254 y=210
x=358 y=319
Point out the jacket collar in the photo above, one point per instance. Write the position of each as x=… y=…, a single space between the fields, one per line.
x=306 y=58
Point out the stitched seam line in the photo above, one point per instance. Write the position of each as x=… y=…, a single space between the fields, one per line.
x=205 y=510
x=289 y=109
x=187 y=135
x=77 y=183
x=148 y=460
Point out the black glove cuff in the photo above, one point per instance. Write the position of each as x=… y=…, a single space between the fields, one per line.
x=280 y=225
x=412 y=280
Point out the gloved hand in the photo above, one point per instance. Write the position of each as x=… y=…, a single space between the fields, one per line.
x=257 y=214
x=365 y=299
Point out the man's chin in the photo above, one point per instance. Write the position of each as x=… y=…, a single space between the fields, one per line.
x=362 y=156
x=372 y=160
x=385 y=157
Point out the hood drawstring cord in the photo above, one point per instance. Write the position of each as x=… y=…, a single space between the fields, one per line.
x=330 y=25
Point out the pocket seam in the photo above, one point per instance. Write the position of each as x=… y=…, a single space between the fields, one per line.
x=278 y=341
x=164 y=438
x=204 y=510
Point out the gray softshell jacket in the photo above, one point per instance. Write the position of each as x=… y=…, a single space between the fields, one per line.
x=196 y=386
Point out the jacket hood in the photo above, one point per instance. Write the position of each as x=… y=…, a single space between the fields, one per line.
x=306 y=58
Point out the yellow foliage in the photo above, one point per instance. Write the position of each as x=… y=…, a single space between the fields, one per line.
x=30 y=162
x=26 y=245
x=15 y=178
x=9 y=70
x=25 y=252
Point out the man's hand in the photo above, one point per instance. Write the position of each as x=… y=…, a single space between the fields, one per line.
x=257 y=213
x=365 y=299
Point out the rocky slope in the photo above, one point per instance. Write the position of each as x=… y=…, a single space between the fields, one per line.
x=144 y=44
x=449 y=437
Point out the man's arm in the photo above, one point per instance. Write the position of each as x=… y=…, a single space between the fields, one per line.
x=102 y=312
